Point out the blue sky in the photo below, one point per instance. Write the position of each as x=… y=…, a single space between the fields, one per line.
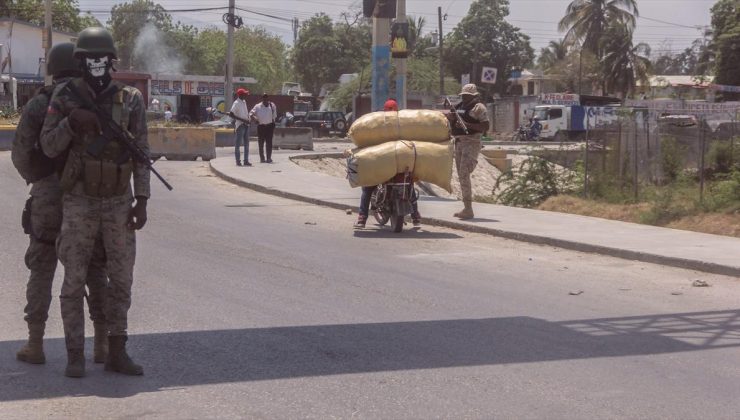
x=536 y=18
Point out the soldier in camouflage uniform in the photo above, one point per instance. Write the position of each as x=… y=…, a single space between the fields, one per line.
x=468 y=143
x=43 y=219
x=98 y=198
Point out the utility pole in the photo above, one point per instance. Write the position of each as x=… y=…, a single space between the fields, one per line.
x=381 y=62
x=441 y=51
x=47 y=39
x=295 y=31
x=228 y=91
x=401 y=69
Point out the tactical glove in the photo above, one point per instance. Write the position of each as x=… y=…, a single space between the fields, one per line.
x=83 y=121
x=137 y=214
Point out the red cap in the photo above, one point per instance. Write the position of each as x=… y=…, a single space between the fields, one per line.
x=240 y=92
x=390 y=105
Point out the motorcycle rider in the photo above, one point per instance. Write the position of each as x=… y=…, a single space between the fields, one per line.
x=390 y=106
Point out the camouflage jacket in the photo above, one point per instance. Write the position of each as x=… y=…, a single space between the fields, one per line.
x=57 y=135
x=26 y=137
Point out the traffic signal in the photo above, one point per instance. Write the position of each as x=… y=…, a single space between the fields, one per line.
x=379 y=8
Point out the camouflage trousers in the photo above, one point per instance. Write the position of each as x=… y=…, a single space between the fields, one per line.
x=85 y=218
x=41 y=260
x=467 y=149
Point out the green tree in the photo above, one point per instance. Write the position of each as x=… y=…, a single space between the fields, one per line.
x=65 y=17
x=726 y=43
x=555 y=52
x=129 y=19
x=624 y=64
x=586 y=21
x=485 y=38
x=325 y=50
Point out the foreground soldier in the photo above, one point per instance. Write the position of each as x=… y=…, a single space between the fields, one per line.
x=43 y=219
x=98 y=197
x=468 y=144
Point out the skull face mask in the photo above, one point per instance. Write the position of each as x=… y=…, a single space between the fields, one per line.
x=97 y=72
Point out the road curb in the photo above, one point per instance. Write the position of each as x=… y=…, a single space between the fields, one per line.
x=517 y=236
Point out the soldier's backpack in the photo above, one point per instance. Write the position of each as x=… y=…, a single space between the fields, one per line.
x=28 y=158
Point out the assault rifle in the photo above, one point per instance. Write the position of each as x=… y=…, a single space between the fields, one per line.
x=112 y=131
x=454 y=111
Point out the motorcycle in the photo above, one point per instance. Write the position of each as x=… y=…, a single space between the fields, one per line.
x=393 y=201
x=528 y=132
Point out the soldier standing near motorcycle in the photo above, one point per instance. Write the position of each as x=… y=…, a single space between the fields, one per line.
x=474 y=115
x=43 y=218
x=97 y=191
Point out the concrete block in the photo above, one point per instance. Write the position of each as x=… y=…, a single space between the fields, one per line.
x=494 y=153
x=294 y=138
x=503 y=165
x=182 y=143
x=7 y=134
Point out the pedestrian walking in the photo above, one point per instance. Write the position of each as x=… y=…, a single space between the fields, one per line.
x=42 y=219
x=98 y=198
x=474 y=115
x=265 y=114
x=240 y=113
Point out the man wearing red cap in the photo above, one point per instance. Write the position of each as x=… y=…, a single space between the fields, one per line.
x=390 y=105
x=240 y=112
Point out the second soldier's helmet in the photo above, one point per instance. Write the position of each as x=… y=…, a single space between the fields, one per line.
x=61 y=61
x=95 y=41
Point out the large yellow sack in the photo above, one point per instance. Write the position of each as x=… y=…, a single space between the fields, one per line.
x=408 y=124
x=429 y=162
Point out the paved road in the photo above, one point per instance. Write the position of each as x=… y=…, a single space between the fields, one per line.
x=248 y=305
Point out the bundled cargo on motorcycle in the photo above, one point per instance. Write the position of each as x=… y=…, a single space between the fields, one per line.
x=426 y=161
x=421 y=125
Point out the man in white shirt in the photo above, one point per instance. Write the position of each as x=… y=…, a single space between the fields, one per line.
x=240 y=113
x=265 y=113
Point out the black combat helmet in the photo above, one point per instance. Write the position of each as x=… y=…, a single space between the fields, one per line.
x=61 y=61
x=95 y=41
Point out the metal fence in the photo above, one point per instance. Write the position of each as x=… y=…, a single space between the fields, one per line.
x=644 y=146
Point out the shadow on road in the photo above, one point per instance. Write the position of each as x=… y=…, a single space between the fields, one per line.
x=182 y=359
x=380 y=232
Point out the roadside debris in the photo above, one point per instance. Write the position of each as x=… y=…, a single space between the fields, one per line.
x=311 y=223
x=580 y=292
x=348 y=211
x=700 y=283
x=676 y=293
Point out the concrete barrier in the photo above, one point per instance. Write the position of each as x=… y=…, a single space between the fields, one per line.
x=7 y=133
x=182 y=143
x=294 y=138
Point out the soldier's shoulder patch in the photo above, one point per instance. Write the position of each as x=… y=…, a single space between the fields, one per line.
x=53 y=108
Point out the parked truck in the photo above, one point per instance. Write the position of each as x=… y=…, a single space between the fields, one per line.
x=567 y=117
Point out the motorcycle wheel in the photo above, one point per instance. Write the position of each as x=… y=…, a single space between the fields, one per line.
x=380 y=216
x=397 y=223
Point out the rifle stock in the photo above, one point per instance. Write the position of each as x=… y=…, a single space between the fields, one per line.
x=459 y=119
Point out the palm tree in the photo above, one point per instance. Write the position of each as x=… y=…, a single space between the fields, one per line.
x=624 y=64
x=586 y=21
x=555 y=52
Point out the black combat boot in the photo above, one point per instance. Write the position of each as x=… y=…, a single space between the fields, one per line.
x=33 y=350
x=75 y=363
x=100 y=346
x=118 y=360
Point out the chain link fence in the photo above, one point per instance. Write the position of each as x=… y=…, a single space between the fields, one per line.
x=646 y=147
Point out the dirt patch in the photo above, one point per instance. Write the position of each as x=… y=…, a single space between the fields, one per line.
x=575 y=205
x=713 y=223
x=331 y=166
x=717 y=224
